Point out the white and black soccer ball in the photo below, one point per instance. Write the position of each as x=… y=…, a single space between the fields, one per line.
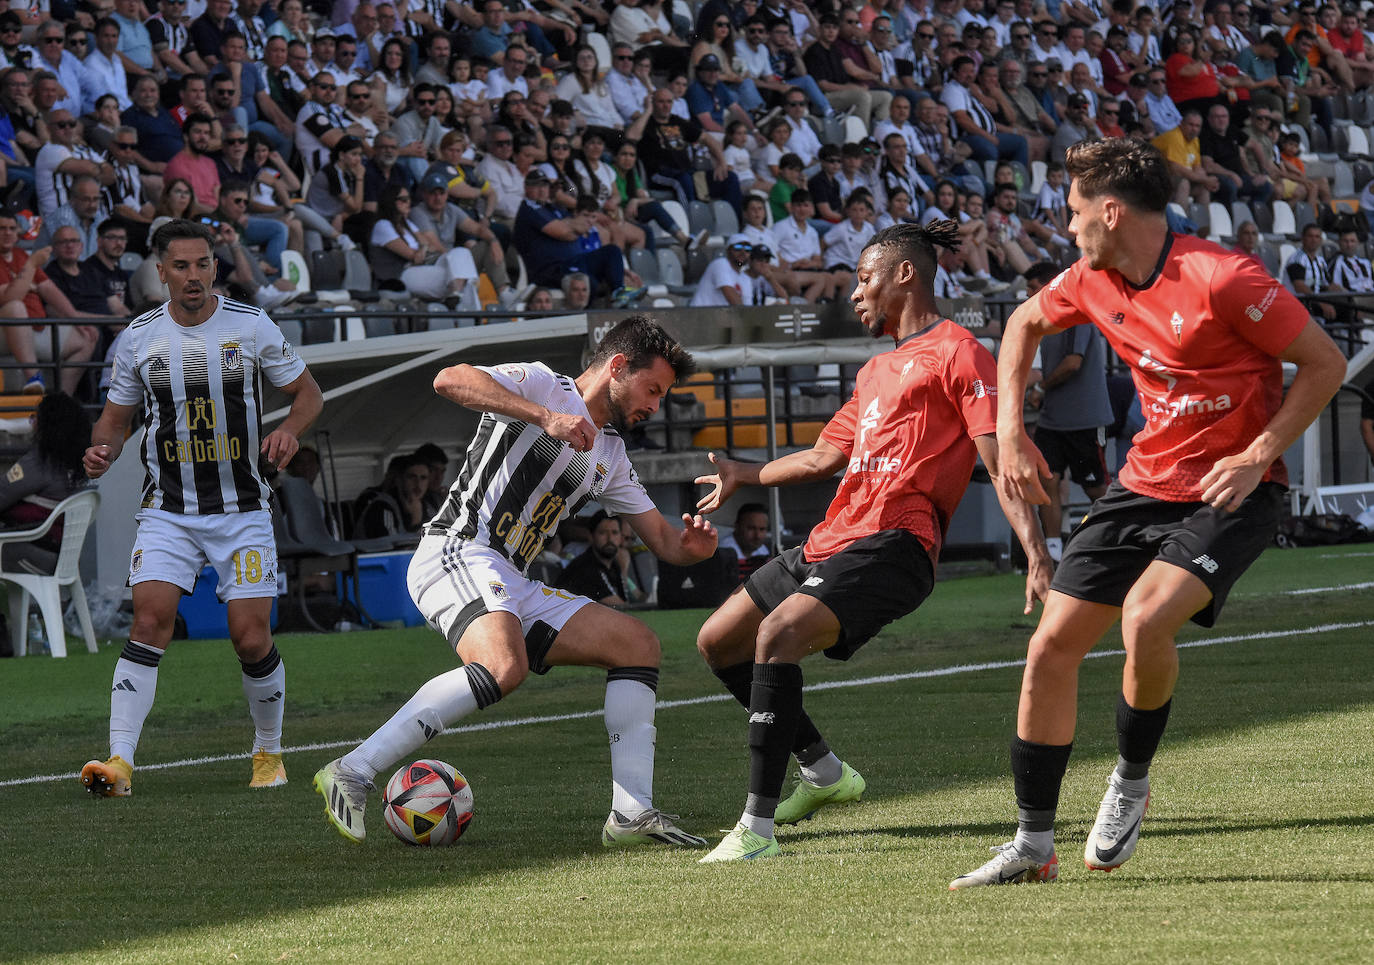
x=427 y=803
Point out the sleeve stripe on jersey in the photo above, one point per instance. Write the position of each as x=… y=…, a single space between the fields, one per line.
x=239 y=308
x=145 y=318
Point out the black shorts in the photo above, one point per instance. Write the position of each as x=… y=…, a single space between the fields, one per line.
x=1077 y=450
x=1125 y=532
x=867 y=585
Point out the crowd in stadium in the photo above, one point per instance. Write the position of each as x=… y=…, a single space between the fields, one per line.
x=482 y=154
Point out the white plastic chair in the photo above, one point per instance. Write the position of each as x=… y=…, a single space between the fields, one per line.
x=602 y=47
x=1285 y=222
x=295 y=270
x=1221 y=221
x=1358 y=142
x=679 y=215
x=76 y=513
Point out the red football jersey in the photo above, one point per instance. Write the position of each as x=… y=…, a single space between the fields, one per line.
x=908 y=431
x=1202 y=338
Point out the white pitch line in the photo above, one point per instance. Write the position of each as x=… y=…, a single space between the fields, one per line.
x=1329 y=589
x=719 y=698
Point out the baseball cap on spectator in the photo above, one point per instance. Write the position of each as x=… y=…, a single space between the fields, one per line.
x=11 y=19
x=324 y=32
x=1077 y=100
x=709 y=62
x=870 y=145
x=536 y=176
x=561 y=109
x=760 y=253
x=434 y=182
x=739 y=241
x=1053 y=63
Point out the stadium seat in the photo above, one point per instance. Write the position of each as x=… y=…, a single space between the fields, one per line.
x=599 y=43
x=76 y=513
x=130 y=260
x=678 y=214
x=1037 y=176
x=1304 y=214
x=1219 y=222
x=644 y=263
x=305 y=545
x=854 y=130
x=1241 y=213
x=1284 y=221
x=989 y=169
x=1362 y=172
x=1199 y=215
x=1357 y=142
x=669 y=268
x=1343 y=182
x=1264 y=218
x=293 y=269
x=698 y=217
x=1286 y=251
x=1269 y=254
x=727 y=222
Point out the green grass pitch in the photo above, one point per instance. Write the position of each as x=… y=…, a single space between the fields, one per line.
x=1258 y=846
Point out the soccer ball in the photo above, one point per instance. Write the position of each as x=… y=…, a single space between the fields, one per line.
x=427 y=803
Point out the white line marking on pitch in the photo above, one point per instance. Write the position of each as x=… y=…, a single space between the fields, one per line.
x=719 y=698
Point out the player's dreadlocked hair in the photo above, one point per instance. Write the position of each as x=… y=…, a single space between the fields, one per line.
x=642 y=340
x=917 y=243
x=1131 y=170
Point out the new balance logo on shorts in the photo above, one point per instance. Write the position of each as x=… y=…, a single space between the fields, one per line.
x=1207 y=563
x=761 y=718
x=813 y=581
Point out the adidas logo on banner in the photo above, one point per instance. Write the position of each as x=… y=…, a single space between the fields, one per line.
x=271 y=700
x=125 y=684
x=429 y=731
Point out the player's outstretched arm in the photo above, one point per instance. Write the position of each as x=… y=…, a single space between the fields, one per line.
x=1025 y=524
x=819 y=462
x=682 y=547
x=107 y=438
x=474 y=389
x=307 y=402
x=1022 y=464
x=1321 y=369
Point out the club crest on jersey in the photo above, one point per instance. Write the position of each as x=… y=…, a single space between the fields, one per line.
x=16 y=473
x=1176 y=323
x=599 y=476
x=287 y=352
x=498 y=590
x=516 y=373
x=233 y=356
x=136 y=563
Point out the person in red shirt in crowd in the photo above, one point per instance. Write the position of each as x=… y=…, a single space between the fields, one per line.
x=919 y=418
x=1192 y=78
x=1203 y=331
x=195 y=166
x=26 y=292
x=1348 y=40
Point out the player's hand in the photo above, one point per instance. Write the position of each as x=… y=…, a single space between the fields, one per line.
x=97 y=460
x=699 y=539
x=1038 y=575
x=1230 y=481
x=577 y=431
x=279 y=447
x=725 y=481
x=1021 y=467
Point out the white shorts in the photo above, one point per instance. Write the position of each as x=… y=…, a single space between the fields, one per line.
x=174 y=548
x=454 y=581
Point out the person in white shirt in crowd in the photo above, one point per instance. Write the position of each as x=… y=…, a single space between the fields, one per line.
x=852 y=176
x=511 y=76
x=507 y=183
x=726 y=279
x=1045 y=43
x=1072 y=50
x=749 y=538
x=899 y=121
x=846 y=239
x=798 y=246
x=628 y=91
x=803 y=141
x=1142 y=41
x=102 y=72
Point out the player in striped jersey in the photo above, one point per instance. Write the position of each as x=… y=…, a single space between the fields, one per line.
x=546 y=445
x=194 y=367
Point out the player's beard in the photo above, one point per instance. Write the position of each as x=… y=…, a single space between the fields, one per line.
x=877 y=328
x=192 y=301
x=620 y=421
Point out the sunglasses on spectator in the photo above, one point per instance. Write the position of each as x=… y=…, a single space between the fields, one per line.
x=78 y=41
x=1108 y=113
x=10 y=29
x=125 y=145
x=425 y=101
x=632 y=56
x=507 y=142
x=64 y=124
x=327 y=86
x=925 y=36
x=236 y=140
x=52 y=40
x=236 y=201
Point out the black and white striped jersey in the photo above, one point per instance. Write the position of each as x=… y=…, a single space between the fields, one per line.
x=517 y=482
x=1352 y=273
x=202 y=394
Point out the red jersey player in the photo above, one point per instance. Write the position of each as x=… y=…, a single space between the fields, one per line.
x=907 y=440
x=1203 y=331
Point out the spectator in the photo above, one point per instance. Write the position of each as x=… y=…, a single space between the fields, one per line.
x=1192 y=77
x=207 y=35
x=1109 y=118
x=418 y=130
x=748 y=538
x=1183 y=151
x=664 y=141
x=63 y=160
x=726 y=279
x=540 y=300
x=789 y=180
x=48 y=472
x=489 y=39
x=550 y=241
x=716 y=45
x=1307 y=273
x=52 y=56
x=636 y=205
x=170 y=38
x=102 y=71
x=1247 y=243
x=511 y=76
x=629 y=93
x=83 y=211
x=195 y=165
x=976 y=126
x=590 y=95
x=1076 y=126
x=1164 y=113
x=253 y=230
x=438 y=51
x=432 y=458
x=642 y=23
x=1007 y=234
x=507 y=182
x=845 y=240
x=336 y=191
x=27 y=292
x=973 y=237
x=895 y=173
x=1258 y=66
x=825 y=63
x=597 y=573
x=320 y=123
x=252 y=26
x=396 y=506
x=96 y=286
x=253 y=95
x=383 y=169
x=825 y=187
x=453 y=227
x=798 y=247
x=1293 y=167
x=1221 y=156
x=1349 y=269
x=710 y=100
x=577 y=291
